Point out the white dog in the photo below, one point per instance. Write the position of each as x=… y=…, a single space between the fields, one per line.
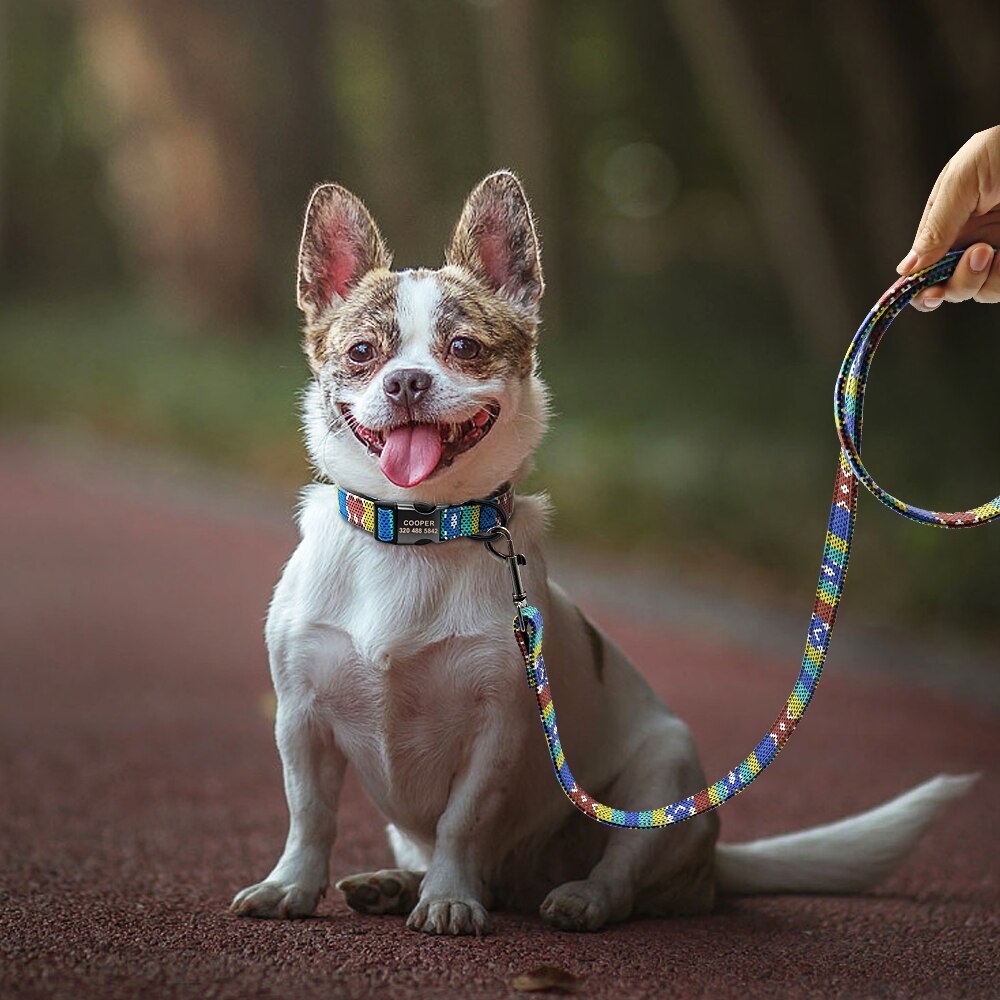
x=399 y=659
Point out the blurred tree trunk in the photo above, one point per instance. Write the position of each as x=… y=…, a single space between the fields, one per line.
x=512 y=39
x=380 y=105
x=3 y=123
x=886 y=142
x=970 y=31
x=792 y=226
x=199 y=164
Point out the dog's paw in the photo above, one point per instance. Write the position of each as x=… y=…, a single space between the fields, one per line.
x=577 y=906
x=449 y=916
x=392 y=890
x=276 y=900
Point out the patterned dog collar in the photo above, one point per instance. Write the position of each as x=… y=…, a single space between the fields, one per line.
x=424 y=523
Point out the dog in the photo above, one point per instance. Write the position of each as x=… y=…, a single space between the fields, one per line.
x=399 y=659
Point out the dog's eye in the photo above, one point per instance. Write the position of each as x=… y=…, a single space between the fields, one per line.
x=361 y=353
x=464 y=348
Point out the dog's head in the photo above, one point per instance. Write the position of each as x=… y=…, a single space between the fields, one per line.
x=424 y=381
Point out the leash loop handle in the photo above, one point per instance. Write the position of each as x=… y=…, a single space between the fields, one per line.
x=849 y=397
x=848 y=408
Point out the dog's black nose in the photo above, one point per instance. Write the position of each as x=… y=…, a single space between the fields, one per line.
x=406 y=385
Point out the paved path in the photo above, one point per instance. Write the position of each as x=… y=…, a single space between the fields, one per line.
x=139 y=788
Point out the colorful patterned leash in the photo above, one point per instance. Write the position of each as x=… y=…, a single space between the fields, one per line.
x=848 y=404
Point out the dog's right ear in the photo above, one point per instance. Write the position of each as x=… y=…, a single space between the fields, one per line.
x=340 y=245
x=495 y=239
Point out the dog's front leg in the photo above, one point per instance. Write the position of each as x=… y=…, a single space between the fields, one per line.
x=313 y=768
x=453 y=896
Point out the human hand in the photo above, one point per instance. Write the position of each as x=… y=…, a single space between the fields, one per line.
x=963 y=210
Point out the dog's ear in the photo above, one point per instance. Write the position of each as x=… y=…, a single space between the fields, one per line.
x=495 y=239
x=340 y=245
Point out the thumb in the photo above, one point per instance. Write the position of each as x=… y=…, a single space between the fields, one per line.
x=951 y=203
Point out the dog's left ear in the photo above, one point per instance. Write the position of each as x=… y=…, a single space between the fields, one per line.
x=496 y=240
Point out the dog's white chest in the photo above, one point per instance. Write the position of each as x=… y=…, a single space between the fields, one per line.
x=406 y=726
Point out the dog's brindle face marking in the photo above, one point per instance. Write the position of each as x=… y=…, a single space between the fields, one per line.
x=368 y=314
x=487 y=292
x=463 y=309
x=505 y=335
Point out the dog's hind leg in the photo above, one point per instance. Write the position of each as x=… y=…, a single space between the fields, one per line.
x=391 y=890
x=652 y=871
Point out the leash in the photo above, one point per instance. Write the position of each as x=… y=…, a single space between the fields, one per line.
x=849 y=398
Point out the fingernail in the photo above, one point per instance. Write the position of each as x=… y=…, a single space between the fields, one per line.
x=980 y=258
x=930 y=304
x=906 y=263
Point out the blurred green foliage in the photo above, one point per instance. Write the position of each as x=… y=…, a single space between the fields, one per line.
x=56 y=231
x=111 y=365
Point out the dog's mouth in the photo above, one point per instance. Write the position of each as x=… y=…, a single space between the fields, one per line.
x=410 y=453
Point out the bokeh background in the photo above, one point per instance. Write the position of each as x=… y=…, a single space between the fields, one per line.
x=723 y=191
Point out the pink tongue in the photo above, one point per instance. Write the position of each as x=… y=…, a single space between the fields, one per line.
x=411 y=454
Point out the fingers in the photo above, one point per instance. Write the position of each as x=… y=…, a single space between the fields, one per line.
x=977 y=276
x=966 y=186
x=953 y=200
x=990 y=292
x=906 y=264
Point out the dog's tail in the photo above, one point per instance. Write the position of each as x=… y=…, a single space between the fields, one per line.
x=846 y=856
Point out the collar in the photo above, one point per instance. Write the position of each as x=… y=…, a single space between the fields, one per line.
x=423 y=523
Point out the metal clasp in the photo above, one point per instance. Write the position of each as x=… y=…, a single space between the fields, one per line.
x=515 y=560
x=417 y=524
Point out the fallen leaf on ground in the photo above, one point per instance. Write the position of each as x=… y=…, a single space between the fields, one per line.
x=546 y=977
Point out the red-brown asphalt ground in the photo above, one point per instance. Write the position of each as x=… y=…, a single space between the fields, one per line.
x=140 y=789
